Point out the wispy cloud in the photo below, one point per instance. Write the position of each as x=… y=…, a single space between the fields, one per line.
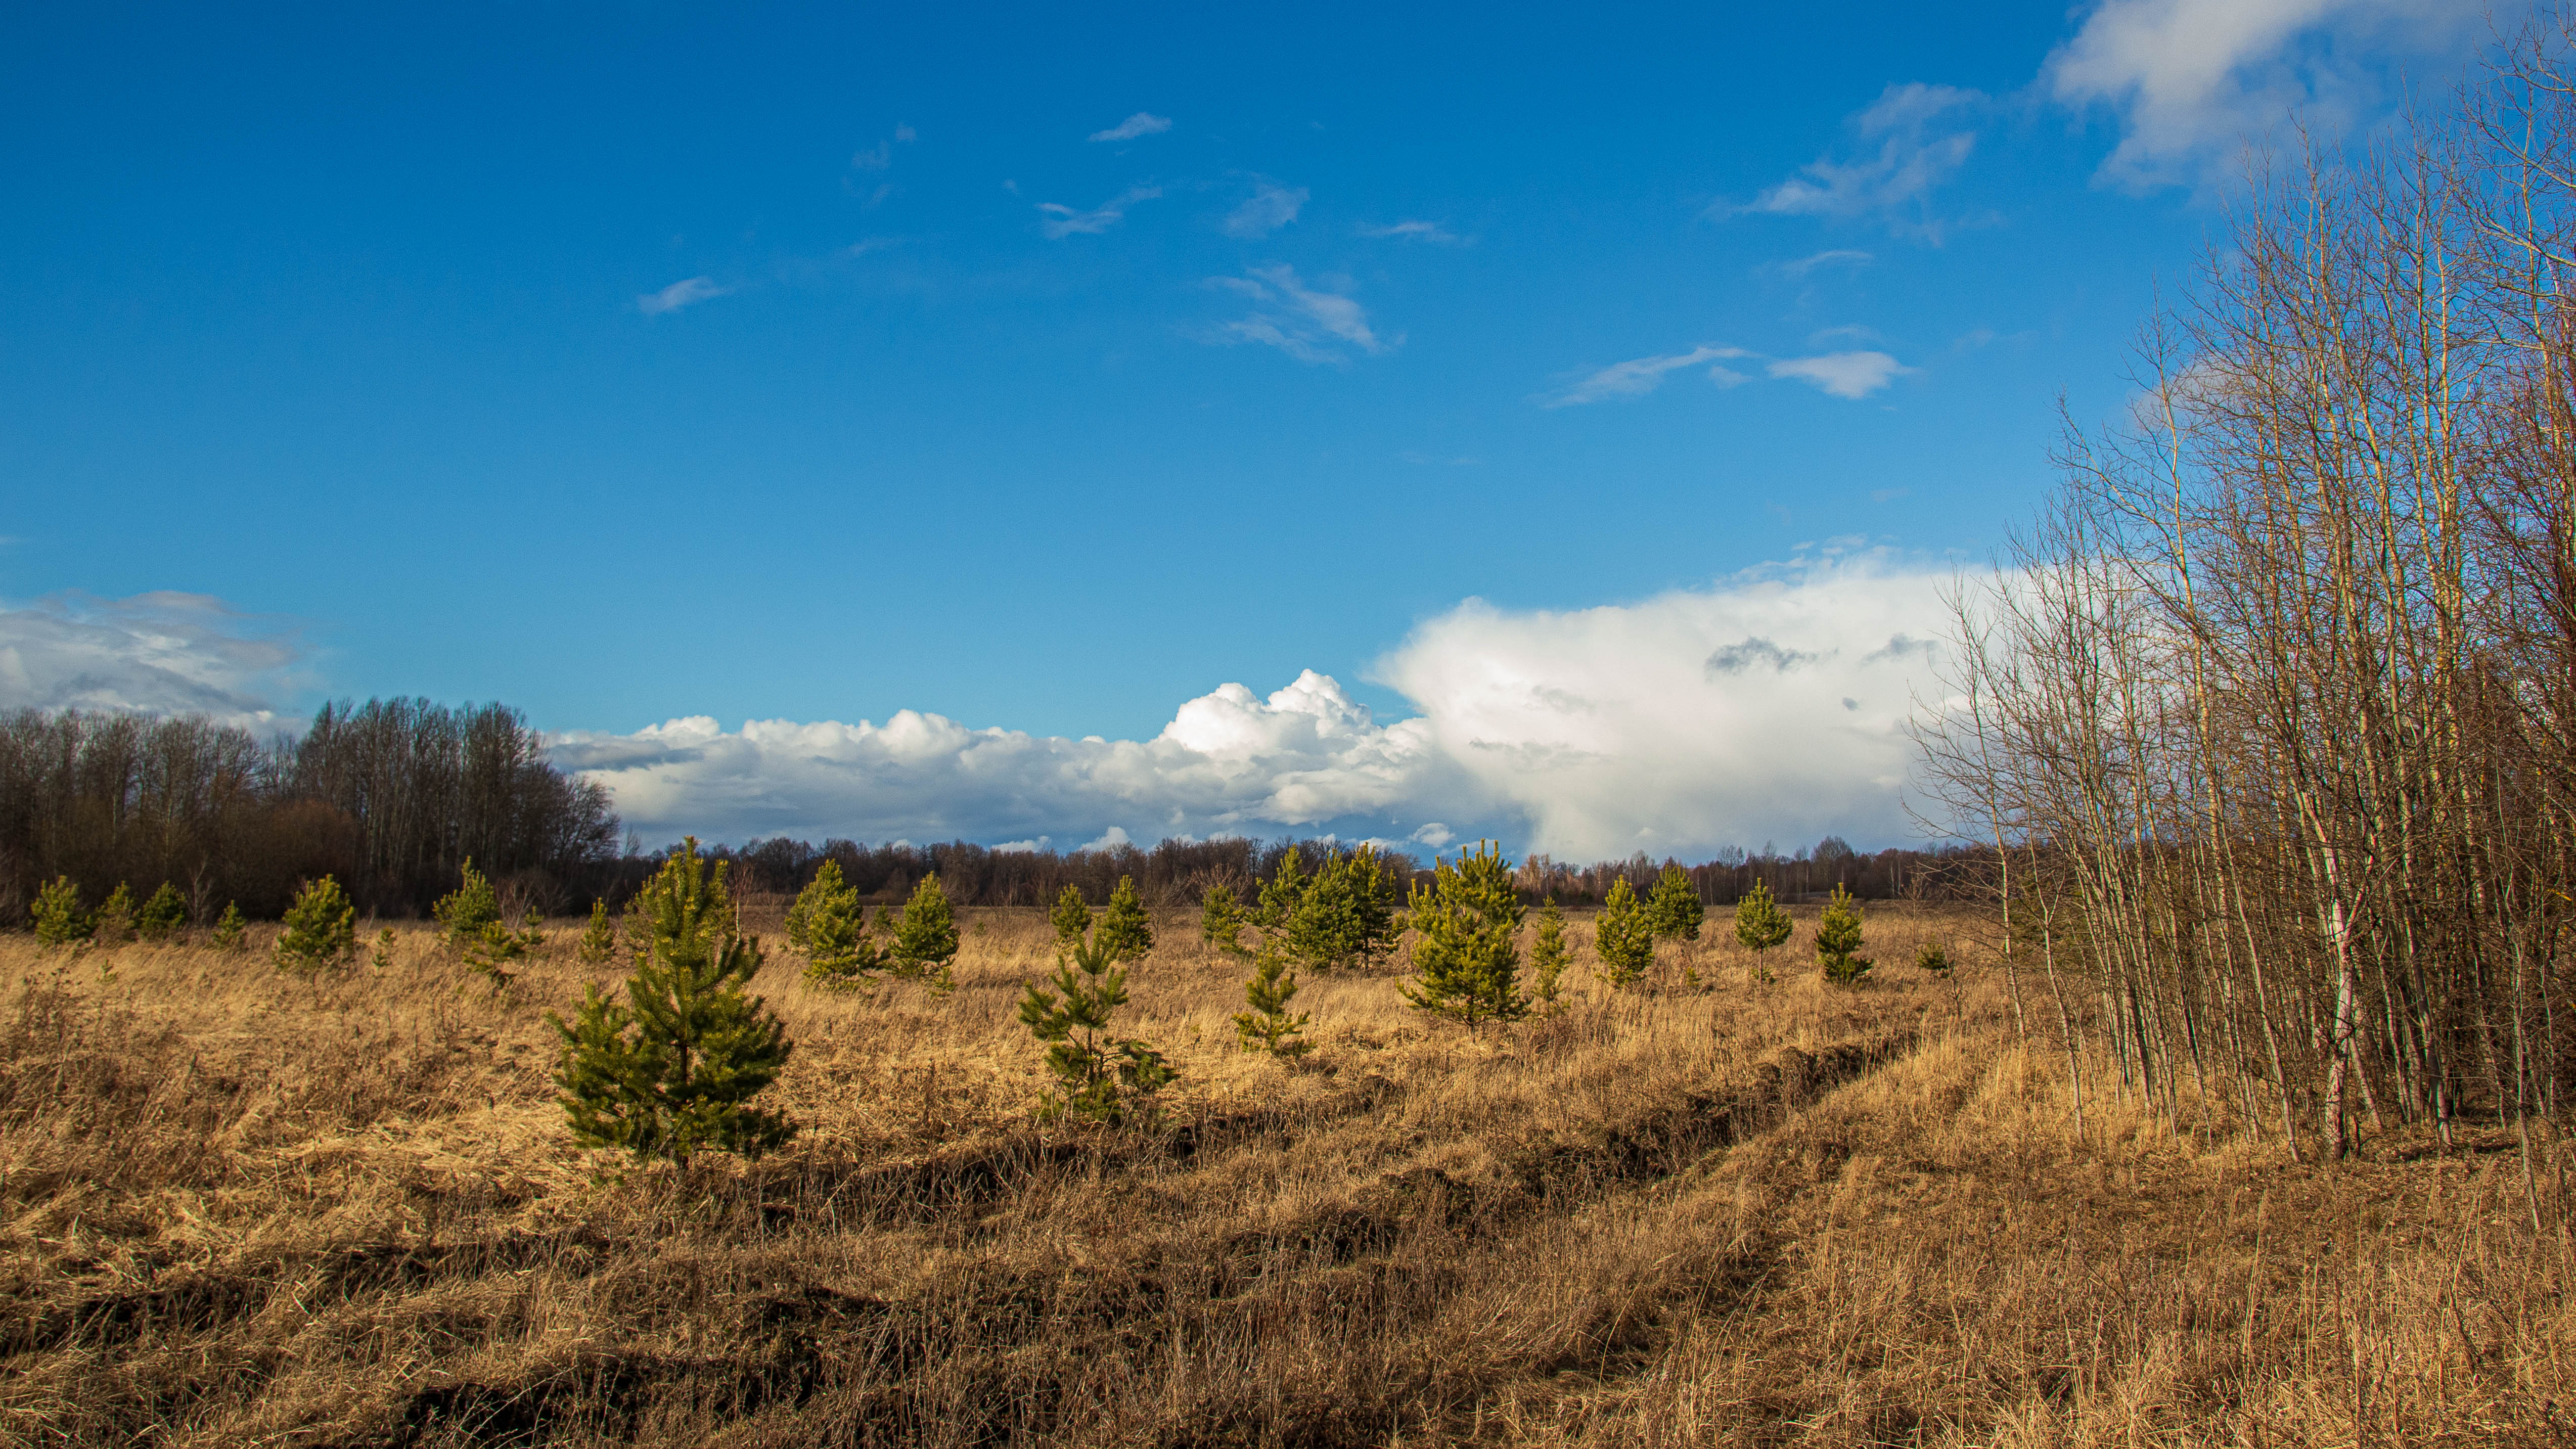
x=1270 y=207
x=1143 y=123
x=881 y=155
x=1059 y=220
x=1920 y=142
x=678 y=295
x=1639 y=376
x=156 y=653
x=1843 y=374
x=1306 y=323
x=1837 y=257
x=1435 y=232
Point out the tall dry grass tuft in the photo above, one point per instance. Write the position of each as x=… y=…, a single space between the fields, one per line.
x=244 y=1207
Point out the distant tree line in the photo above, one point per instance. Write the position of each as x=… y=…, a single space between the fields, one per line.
x=390 y=797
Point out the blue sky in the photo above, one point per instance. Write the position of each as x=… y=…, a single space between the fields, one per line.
x=1042 y=372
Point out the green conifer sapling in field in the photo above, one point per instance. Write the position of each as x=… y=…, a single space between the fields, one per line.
x=321 y=928
x=1623 y=937
x=1279 y=895
x=839 y=955
x=230 y=929
x=599 y=938
x=1267 y=1025
x=1071 y=917
x=162 y=915
x=673 y=1071
x=1099 y=1078
x=1125 y=926
x=1548 y=955
x=114 y=924
x=463 y=912
x=1345 y=914
x=1760 y=924
x=490 y=951
x=382 y=958
x=1674 y=911
x=60 y=921
x=1221 y=920
x=925 y=939
x=1934 y=960
x=1466 y=948
x=1838 y=941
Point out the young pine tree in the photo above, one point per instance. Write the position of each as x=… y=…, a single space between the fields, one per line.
x=115 y=923
x=599 y=938
x=382 y=958
x=1071 y=918
x=162 y=915
x=1125 y=926
x=1221 y=920
x=1099 y=1078
x=839 y=956
x=493 y=951
x=672 y=1072
x=925 y=939
x=1266 y=1025
x=321 y=928
x=1933 y=961
x=230 y=929
x=60 y=921
x=1466 y=950
x=1548 y=955
x=1623 y=937
x=1280 y=894
x=1345 y=915
x=1838 y=941
x=463 y=913
x=1673 y=910
x=1760 y=924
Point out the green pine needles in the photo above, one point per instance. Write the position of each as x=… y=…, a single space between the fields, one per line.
x=672 y=1073
x=598 y=938
x=1623 y=936
x=231 y=931
x=321 y=928
x=1673 y=910
x=463 y=912
x=1466 y=949
x=1548 y=957
x=1838 y=941
x=1279 y=895
x=925 y=938
x=1221 y=921
x=1266 y=1024
x=829 y=925
x=59 y=919
x=115 y=921
x=1071 y=918
x=1933 y=961
x=1760 y=924
x=1125 y=927
x=162 y=915
x=1343 y=915
x=1099 y=1077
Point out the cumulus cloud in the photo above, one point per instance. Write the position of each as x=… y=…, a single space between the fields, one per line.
x=2188 y=78
x=1586 y=733
x=1307 y=323
x=1143 y=123
x=1843 y=374
x=1639 y=376
x=1421 y=231
x=1270 y=207
x=1913 y=138
x=156 y=653
x=678 y=295
x=1060 y=221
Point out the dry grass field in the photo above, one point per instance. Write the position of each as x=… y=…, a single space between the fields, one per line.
x=248 y=1209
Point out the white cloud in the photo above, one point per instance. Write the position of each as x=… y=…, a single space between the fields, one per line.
x=678 y=295
x=1639 y=376
x=881 y=155
x=1306 y=323
x=1143 y=123
x=2188 y=78
x=1843 y=374
x=1838 y=256
x=1422 y=231
x=1270 y=207
x=1920 y=142
x=1587 y=733
x=156 y=653
x=1061 y=221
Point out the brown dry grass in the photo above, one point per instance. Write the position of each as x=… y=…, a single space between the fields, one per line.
x=244 y=1208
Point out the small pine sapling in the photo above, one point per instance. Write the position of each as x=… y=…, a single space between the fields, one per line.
x=599 y=938
x=60 y=921
x=114 y=925
x=230 y=929
x=321 y=928
x=1548 y=956
x=1279 y=895
x=1126 y=928
x=1673 y=910
x=672 y=1073
x=1466 y=951
x=162 y=915
x=490 y=951
x=1623 y=937
x=1071 y=918
x=1267 y=1025
x=1221 y=921
x=382 y=958
x=1345 y=914
x=1933 y=961
x=1838 y=941
x=839 y=955
x=1760 y=924
x=463 y=913
x=925 y=939
x=1099 y=1078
